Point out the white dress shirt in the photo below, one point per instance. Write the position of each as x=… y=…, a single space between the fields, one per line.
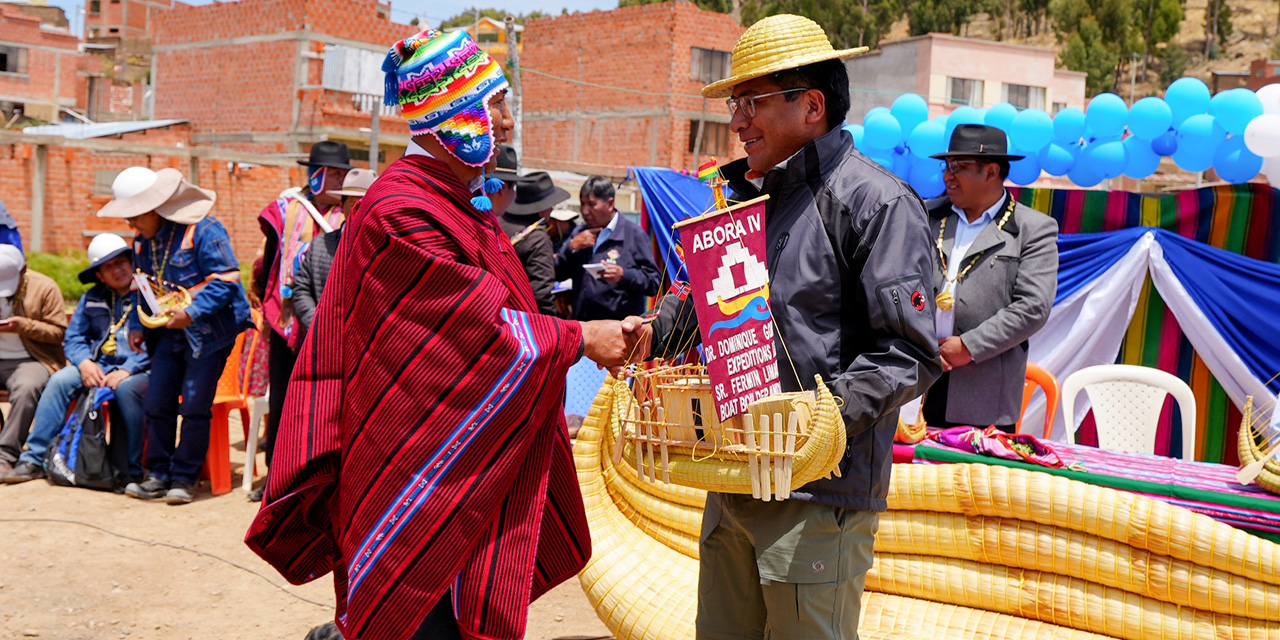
x=966 y=233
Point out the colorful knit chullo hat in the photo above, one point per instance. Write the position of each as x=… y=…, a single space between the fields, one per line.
x=443 y=82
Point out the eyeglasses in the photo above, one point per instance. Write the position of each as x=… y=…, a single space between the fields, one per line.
x=748 y=103
x=956 y=166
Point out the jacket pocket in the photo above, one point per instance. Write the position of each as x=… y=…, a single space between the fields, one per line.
x=901 y=299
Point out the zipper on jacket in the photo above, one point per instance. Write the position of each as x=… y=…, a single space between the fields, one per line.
x=897 y=304
x=777 y=251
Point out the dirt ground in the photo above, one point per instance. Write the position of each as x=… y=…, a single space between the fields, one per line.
x=85 y=565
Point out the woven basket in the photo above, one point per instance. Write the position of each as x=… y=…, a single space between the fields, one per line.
x=1250 y=451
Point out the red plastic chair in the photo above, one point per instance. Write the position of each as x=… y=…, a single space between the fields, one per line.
x=232 y=394
x=1038 y=377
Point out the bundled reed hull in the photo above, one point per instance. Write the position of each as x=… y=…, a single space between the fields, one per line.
x=1250 y=448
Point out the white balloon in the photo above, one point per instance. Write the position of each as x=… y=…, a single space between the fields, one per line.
x=1271 y=170
x=1270 y=97
x=1262 y=136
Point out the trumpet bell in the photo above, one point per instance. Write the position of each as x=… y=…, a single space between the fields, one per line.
x=170 y=300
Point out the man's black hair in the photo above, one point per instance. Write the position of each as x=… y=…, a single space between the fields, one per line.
x=1004 y=169
x=830 y=77
x=598 y=187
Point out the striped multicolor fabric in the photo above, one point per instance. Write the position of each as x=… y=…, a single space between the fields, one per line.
x=423 y=444
x=1238 y=218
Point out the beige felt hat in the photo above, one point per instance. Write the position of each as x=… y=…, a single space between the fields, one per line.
x=139 y=190
x=775 y=44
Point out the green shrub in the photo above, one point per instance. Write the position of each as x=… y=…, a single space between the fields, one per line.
x=65 y=270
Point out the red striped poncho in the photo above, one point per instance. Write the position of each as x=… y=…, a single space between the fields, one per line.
x=423 y=445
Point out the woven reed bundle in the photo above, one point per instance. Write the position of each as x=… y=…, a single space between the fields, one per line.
x=644 y=590
x=986 y=490
x=933 y=619
x=729 y=472
x=666 y=522
x=1056 y=599
x=1250 y=452
x=1028 y=545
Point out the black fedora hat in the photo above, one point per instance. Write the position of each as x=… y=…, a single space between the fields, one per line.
x=329 y=153
x=508 y=166
x=537 y=194
x=978 y=141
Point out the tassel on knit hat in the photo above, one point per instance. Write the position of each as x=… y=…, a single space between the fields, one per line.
x=443 y=82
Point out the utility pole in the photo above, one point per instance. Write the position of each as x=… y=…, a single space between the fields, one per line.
x=373 y=131
x=513 y=64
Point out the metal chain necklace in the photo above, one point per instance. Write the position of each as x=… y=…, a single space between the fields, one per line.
x=946 y=299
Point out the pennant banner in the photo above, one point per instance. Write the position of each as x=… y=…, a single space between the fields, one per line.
x=725 y=257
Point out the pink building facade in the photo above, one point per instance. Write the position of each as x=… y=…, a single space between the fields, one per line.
x=950 y=72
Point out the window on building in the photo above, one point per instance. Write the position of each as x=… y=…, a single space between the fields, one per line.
x=13 y=59
x=488 y=36
x=1058 y=106
x=353 y=70
x=113 y=30
x=102 y=180
x=965 y=91
x=715 y=138
x=1023 y=96
x=95 y=7
x=708 y=65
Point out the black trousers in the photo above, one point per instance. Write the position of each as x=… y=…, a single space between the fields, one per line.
x=280 y=363
x=935 y=408
x=439 y=623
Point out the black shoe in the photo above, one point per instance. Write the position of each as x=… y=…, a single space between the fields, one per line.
x=256 y=494
x=24 y=472
x=148 y=489
x=180 y=493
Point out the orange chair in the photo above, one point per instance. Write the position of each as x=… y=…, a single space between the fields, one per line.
x=1037 y=376
x=232 y=394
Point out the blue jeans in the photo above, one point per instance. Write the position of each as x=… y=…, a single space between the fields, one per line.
x=51 y=414
x=175 y=373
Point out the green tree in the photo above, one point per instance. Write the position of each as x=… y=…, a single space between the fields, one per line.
x=1173 y=63
x=468 y=18
x=1087 y=50
x=1217 y=27
x=944 y=16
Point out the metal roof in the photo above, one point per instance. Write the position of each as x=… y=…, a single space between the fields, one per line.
x=81 y=131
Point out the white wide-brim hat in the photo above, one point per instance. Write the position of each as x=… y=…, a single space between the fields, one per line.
x=139 y=190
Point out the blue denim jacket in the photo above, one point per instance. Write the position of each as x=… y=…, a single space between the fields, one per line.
x=200 y=259
x=98 y=310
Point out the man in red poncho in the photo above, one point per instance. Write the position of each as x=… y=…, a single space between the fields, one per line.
x=423 y=455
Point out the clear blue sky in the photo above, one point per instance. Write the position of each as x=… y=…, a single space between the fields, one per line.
x=403 y=10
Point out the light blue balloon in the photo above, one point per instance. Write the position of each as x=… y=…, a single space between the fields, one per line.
x=901 y=164
x=1082 y=174
x=882 y=156
x=1166 y=144
x=942 y=120
x=1106 y=115
x=1235 y=109
x=1107 y=160
x=1186 y=97
x=1142 y=160
x=1056 y=159
x=1198 y=138
x=1026 y=170
x=926 y=178
x=1150 y=118
x=857 y=132
x=962 y=115
x=926 y=139
x=910 y=110
x=1032 y=130
x=1234 y=162
x=1068 y=126
x=1001 y=116
x=881 y=130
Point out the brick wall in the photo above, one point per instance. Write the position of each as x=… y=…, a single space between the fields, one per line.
x=52 y=60
x=573 y=125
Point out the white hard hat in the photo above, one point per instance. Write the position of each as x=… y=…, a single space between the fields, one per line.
x=102 y=249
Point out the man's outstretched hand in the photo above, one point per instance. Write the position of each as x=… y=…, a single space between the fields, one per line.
x=613 y=344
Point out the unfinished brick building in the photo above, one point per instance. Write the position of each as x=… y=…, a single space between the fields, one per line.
x=610 y=89
x=275 y=76
x=37 y=67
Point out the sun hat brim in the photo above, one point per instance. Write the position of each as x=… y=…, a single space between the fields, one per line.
x=548 y=201
x=90 y=273
x=781 y=61
x=989 y=157
x=344 y=193
x=167 y=181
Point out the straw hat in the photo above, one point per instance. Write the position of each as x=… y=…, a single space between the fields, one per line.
x=775 y=44
x=356 y=183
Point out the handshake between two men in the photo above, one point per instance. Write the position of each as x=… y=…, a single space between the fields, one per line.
x=614 y=344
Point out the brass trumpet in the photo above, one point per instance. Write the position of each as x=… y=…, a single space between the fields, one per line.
x=171 y=298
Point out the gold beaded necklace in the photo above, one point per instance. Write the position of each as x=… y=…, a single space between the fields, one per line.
x=109 y=346
x=946 y=300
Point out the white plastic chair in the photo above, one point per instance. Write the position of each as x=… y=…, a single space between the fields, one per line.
x=257 y=412
x=1126 y=406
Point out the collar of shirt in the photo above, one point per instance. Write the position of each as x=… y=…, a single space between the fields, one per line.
x=967 y=232
x=415 y=149
x=607 y=230
x=781 y=166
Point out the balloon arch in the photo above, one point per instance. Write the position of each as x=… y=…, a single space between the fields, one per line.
x=1236 y=132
